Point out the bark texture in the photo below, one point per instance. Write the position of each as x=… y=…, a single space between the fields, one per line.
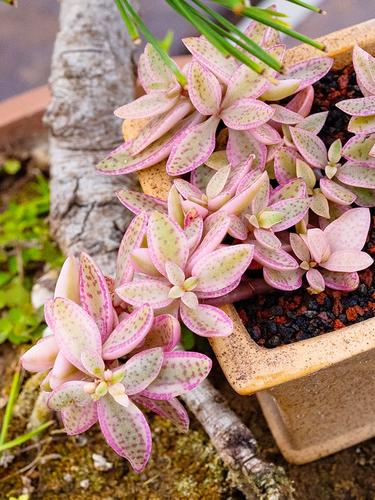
x=236 y=446
x=92 y=73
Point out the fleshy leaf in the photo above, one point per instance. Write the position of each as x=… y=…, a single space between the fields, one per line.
x=75 y=331
x=349 y=231
x=336 y=193
x=41 y=356
x=309 y=71
x=193 y=233
x=358 y=149
x=126 y=431
x=245 y=114
x=141 y=370
x=279 y=260
x=319 y=205
x=193 y=147
x=314 y=123
x=357 y=174
x=362 y=62
x=174 y=203
x=242 y=201
x=78 y=419
x=315 y=280
x=165 y=332
x=341 y=281
x=206 y=321
x=266 y=134
x=147 y=106
x=362 y=124
x=267 y=238
x=70 y=393
x=244 y=83
x=204 y=89
x=95 y=296
x=364 y=106
x=205 y=53
x=285 y=115
x=181 y=372
x=67 y=284
x=217 y=182
x=219 y=269
x=171 y=409
x=280 y=90
x=156 y=67
x=131 y=240
x=241 y=144
x=283 y=280
x=299 y=247
x=166 y=242
x=129 y=333
x=296 y=188
x=153 y=292
x=310 y=146
x=334 y=151
x=139 y=202
x=318 y=244
x=302 y=101
x=293 y=210
x=142 y=263
x=347 y=261
x=285 y=165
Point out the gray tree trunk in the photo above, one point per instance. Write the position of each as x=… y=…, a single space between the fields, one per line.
x=92 y=73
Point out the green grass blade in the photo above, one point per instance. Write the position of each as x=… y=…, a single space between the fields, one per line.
x=14 y=390
x=25 y=437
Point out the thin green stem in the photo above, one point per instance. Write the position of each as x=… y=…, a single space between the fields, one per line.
x=247 y=43
x=25 y=437
x=132 y=29
x=10 y=404
x=307 y=6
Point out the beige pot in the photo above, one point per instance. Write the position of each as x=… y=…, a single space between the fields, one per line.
x=318 y=395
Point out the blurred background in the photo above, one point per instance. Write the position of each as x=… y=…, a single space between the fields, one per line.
x=27 y=33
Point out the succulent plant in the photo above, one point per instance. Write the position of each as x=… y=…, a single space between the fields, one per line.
x=87 y=381
x=175 y=273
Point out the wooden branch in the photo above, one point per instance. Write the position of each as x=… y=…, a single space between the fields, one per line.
x=92 y=74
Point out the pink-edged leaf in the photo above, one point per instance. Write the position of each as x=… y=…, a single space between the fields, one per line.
x=95 y=296
x=67 y=284
x=244 y=83
x=318 y=244
x=93 y=363
x=349 y=231
x=206 y=321
x=174 y=204
x=295 y=188
x=267 y=239
x=151 y=291
x=181 y=372
x=200 y=177
x=357 y=174
x=246 y=114
x=310 y=146
x=70 y=393
x=193 y=209
x=261 y=198
x=293 y=210
x=242 y=201
x=315 y=280
x=41 y=356
x=165 y=333
x=285 y=165
x=193 y=232
x=362 y=124
x=340 y=281
x=285 y=115
x=364 y=106
x=156 y=67
x=363 y=62
x=365 y=197
x=302 y=102
x=139 y=202
x=266 y=134
x=129 y=333
x=217 y=182
x=204 y=89
x=248 y=180
x=279 y=259
x=188 y=190
x=126 y=431
x=174 y=273
x=142 y=263
x=358 y=149
x=75 y=331
x=219 y=269
x=125 y=163
x=299 y=247
x=283 y=280
x=309 y=71
x=147 y=106
x=170 y=409
x=193 y=147
x=238 y=228
x=336 y=193
x=347 y=261
x=145 y=77
x=207 y=55
x=319 y=205
x=141 y=370
x=281 y=89
x=131 y=240
x=242 y=144
x=166 y=242
x=78 y=419
x=160 y=125
x=314 y=123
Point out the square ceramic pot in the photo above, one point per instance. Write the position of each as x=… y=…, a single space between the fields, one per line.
x=318 y=395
